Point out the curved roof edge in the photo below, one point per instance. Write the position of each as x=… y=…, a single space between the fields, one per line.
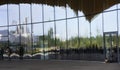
x=90 y=8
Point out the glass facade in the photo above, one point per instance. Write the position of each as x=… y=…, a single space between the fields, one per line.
x=52 y=32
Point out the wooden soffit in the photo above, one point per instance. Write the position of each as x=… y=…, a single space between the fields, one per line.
x=90 y=8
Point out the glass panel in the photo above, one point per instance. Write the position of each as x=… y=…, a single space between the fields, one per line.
x=14 y=34
x=49 y=40
x=3 y=15
x=119 y=25
x=107 y=41
x=73 y=44
x=38 y=41
x=84 y=30
x=3 y=31
x=73 y=33
x=27 y=40
x=14 y=40
x=119 y=31
x=36 y=12
x=60 y=13
x=13 y=19
x=25 y=35
x=38 y=29
x=96 y=29
x=110 y=21
x=80 y=13
x=48 y=13
x=114 y=40
x=3 y=41
x=111 y=46
x=20 y=37
x=114 y=47
x=61 y=36
x=25 y=13
x=70 y=12
x=97 y=39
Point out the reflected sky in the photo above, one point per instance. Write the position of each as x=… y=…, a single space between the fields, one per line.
x=110 y=20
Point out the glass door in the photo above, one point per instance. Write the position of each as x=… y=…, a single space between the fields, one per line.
x=111 y=49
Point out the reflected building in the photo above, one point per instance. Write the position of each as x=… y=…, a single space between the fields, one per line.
x=20 y=35
x=3 y=34
x=17 y=36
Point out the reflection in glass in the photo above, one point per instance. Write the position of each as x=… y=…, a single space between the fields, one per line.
x=73 y=33
x=14 y=39
x=25 y=15
x=3 y=34
x=60 y=13
x=80 y=13
x=13 y=14
x=73 y=43
x=29 y=45
x=96 y=31
x=36 y=13
x=119 y=26
x=48 y=16
x=97 y=38
x=61 y=38
x=20 y=36
x=3 y=41
x=3 y=31
x=3 y=13
x=110 y=25
x=70 y=13
x=49 y=40
x=84 y=32
x=38 y=41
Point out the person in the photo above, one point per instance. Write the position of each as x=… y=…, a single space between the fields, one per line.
x=1 y=53
x=9 y=52
x=107 y=59
x=110 y=56
x=21 y=52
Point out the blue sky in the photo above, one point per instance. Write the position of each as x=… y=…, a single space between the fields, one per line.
x=110 y=20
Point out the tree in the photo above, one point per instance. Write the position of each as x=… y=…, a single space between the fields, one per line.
x=50 y=37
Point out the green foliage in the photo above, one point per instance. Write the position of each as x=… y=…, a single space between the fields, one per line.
x=74 y=42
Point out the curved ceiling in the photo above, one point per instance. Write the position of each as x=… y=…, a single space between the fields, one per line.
x=90 y=8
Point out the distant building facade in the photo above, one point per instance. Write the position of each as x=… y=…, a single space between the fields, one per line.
x=16 y=36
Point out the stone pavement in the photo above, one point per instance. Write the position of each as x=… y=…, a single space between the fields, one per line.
x=57 y=65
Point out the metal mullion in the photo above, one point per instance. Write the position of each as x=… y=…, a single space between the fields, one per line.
x=78 y=32
x=43 y=31
x=31 y=27
x=55 y=31
x=111 y=42
x=104 y=48
x=90 y=36
x=90 y=40
x=8 y=21
x=78 y=27
x=66 y=31
x=19 y=23
x=118 y=33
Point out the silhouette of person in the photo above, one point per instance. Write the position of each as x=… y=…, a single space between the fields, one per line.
x=9 y=52
x=21 y=52
x=1 y=53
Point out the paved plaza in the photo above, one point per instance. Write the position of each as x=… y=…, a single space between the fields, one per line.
x=57 y=65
